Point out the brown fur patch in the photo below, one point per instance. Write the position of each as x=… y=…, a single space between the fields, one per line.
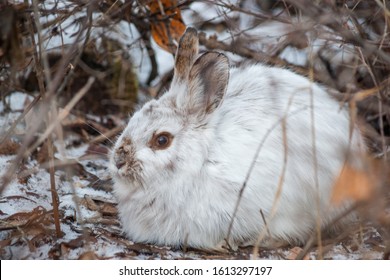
x=126 y=161
x=211 y=72
x=186 y=52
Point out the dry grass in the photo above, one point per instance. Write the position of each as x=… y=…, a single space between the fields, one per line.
x=82 y=90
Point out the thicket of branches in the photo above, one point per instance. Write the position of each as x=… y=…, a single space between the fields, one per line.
x=345 y=45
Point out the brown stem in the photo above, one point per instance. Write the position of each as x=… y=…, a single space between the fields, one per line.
x=53 y=190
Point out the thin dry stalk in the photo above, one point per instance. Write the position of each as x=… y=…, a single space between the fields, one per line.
x=380 y=104
x=52 y=112
x=9 y=132
x=244 y=185
x=315 y=158
x=106 y=136
x=54 y=194
x=250 y=170
x=279 y=189
x=57 y=163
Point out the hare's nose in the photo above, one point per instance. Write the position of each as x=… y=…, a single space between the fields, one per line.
x=120 y=160
x=119 y=163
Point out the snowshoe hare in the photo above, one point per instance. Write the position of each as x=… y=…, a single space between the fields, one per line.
x=180 y=165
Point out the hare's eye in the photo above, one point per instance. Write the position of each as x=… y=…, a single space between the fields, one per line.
x=161 y=141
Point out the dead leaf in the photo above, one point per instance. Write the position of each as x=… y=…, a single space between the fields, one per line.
x=5 y=243
x=90 y=204
x=13 y=197
x=166 y=23
x=89 y=256
x=109 y=210
x=79 y=242
x=9 y=147
x=355 y=183
x=24 y=219
x=358 y=97
x=41 y=238
x=294 y=252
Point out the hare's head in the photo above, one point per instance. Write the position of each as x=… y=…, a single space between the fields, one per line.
x=169 y=136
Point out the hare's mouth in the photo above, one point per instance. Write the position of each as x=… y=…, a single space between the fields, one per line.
x=129 y=172
x=132 y=176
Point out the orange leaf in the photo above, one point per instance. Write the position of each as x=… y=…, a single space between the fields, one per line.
x=356 y=184
x=294 y=252
x=166 y=23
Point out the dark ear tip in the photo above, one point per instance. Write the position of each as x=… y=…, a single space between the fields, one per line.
x=213 y=56
x=189 y=39
x=223 y=57
x=191 y=31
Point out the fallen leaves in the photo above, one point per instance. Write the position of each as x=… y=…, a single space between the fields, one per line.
x=105 y=208
x=25 y=219
x=31 y=228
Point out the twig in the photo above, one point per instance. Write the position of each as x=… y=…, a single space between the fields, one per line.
x=20 y=118
x=282 y=175
x=107 y=135
x=57 y=163
x=265 y=223
x=53 y=190
x=259 y=56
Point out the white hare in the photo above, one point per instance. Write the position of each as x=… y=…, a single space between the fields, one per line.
x=180 y=165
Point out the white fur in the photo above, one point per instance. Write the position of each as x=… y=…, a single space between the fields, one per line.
x=193 y=200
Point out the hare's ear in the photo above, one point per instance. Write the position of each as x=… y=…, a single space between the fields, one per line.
x=185 y=55
x=208 y=80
